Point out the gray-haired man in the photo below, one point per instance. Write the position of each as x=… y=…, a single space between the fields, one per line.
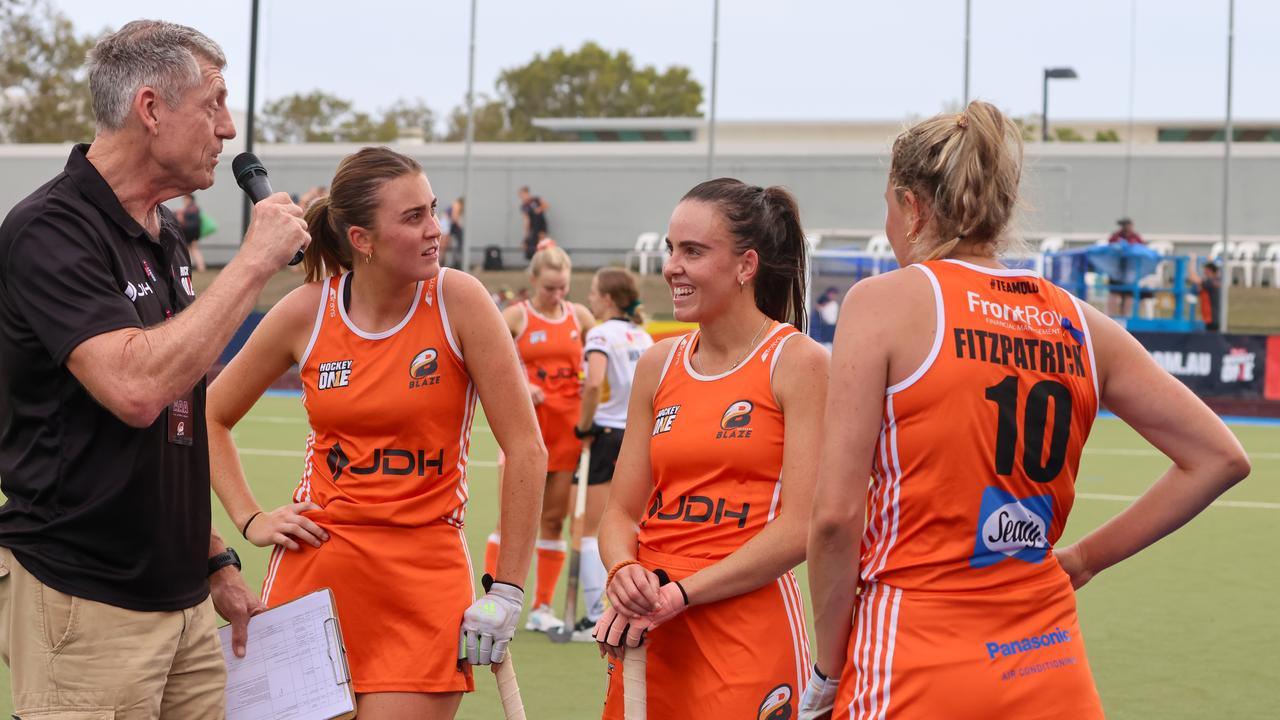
x=109 y=568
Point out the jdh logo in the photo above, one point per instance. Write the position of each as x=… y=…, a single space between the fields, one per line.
x=334 y=374
x=388 y=461
x=699 y=509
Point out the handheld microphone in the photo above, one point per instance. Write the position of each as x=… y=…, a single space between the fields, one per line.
x=251 y=176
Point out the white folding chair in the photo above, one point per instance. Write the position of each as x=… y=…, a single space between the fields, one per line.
x=1270 y=262
x=1048 y=245
x=646 y=247
x=1243 y=258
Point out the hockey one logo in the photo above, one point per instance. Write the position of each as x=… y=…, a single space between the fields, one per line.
x=184 y=276
x=664 y=418
x=537 y=336
x=333 y=374
x=1011 y=527
x=776 y=705
x=388 y=461
x=422 y=369
x=735 y=421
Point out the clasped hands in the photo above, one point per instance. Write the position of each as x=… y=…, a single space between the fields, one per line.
x=639 y=601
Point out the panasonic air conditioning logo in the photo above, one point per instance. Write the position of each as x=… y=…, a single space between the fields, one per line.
x=1011 y=527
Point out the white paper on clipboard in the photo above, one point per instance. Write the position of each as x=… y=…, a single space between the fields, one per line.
x=294 y=668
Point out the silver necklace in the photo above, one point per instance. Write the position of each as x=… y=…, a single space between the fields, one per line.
x=751 y=345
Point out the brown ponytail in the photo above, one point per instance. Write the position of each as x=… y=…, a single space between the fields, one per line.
x=619 y=285
x=965 y=168
x=352 y=201
x=766 y=220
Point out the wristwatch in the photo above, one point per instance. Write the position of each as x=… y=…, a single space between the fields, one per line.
x=223 y=559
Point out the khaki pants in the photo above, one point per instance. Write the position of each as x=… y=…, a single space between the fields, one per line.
x=76 y=659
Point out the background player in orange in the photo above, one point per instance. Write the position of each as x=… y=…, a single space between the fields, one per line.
x=613 y=349
x=717 y=468
x=549 y=333
x=390 y=385
x=965 y=392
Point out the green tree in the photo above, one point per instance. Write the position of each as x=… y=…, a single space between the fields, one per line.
x=1066 y=134
x=590 y=82
x=491 y=121
x=44 y=87
x=1106 y=136
x=318 y=116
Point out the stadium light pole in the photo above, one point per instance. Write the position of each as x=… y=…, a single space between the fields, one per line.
x=715 y=52
x=470 y=137
x=245 y=205
x=1058 y=73
x=968 y=8
x=1227 y=131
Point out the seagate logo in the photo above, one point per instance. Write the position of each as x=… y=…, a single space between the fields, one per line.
x=1011 y=527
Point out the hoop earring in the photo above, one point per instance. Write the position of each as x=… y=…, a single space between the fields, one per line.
x=368 y=258
x=912 y=239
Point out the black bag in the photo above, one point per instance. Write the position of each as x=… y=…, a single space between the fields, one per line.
x=492 y=257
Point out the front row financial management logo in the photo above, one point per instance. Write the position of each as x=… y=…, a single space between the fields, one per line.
x=1011 y=527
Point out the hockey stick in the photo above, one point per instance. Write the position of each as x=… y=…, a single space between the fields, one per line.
x=635 y=666
x=509 y=690
x=565 y=633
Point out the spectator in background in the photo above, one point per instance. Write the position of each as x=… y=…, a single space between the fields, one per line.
x=1209 y=289
x=192 y=221
x=1120 y=302
x=825 y=312
x=535 y=220
x=456 y=215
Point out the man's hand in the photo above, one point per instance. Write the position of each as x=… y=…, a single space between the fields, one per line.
x=276 y=232
x=235 y=603
x=490 y=623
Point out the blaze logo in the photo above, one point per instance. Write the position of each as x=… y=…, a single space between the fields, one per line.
x=336 y=373
x=777 y=704
x=537 y=336
x=423 y=369
x=388 y=461
x=663 y=420
x=734 y=422
x=1011 y=527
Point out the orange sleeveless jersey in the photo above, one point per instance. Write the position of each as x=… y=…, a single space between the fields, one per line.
x=551 y=351
x=715 y=453
x=386 y=462
x=1013 y=366
x=390 y=415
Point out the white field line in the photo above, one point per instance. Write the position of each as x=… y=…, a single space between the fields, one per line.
x=1152 y=452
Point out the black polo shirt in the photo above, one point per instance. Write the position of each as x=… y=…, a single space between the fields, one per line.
x=95 y=508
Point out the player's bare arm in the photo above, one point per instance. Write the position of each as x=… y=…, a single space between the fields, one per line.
x=491 y=360
x=276 y=344
x=633 y=589
x=1207 y=458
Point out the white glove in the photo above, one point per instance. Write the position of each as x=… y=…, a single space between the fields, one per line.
x=819 y=696
x=490 y=623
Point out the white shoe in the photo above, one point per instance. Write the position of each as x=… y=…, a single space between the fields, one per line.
x=582 y=631
x=543 y=619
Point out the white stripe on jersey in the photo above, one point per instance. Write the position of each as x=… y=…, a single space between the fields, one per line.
x=623 y=343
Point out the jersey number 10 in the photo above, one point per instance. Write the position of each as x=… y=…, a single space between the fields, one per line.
x=1035 y=416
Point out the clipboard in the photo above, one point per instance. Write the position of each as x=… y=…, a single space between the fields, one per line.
x=295 y=664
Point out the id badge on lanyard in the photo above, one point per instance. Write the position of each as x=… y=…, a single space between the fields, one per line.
x=181 y=420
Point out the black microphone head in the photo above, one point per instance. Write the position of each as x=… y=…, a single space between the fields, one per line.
x=245 y=166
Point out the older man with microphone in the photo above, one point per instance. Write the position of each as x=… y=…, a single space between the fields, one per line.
x=110 y=570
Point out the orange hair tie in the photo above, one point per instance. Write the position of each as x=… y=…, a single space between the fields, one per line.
x=962 y=121
x=616 y=567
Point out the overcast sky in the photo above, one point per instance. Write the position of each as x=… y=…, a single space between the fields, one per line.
x=798 y=60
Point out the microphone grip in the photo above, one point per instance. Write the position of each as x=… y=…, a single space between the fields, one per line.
x=259 y=188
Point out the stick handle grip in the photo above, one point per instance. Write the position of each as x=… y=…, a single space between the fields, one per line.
x=635 y=666
x=509 y=690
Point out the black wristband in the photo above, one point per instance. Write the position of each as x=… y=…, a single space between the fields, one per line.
x=581 y=434
x=245 y=529
x=683 y=594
